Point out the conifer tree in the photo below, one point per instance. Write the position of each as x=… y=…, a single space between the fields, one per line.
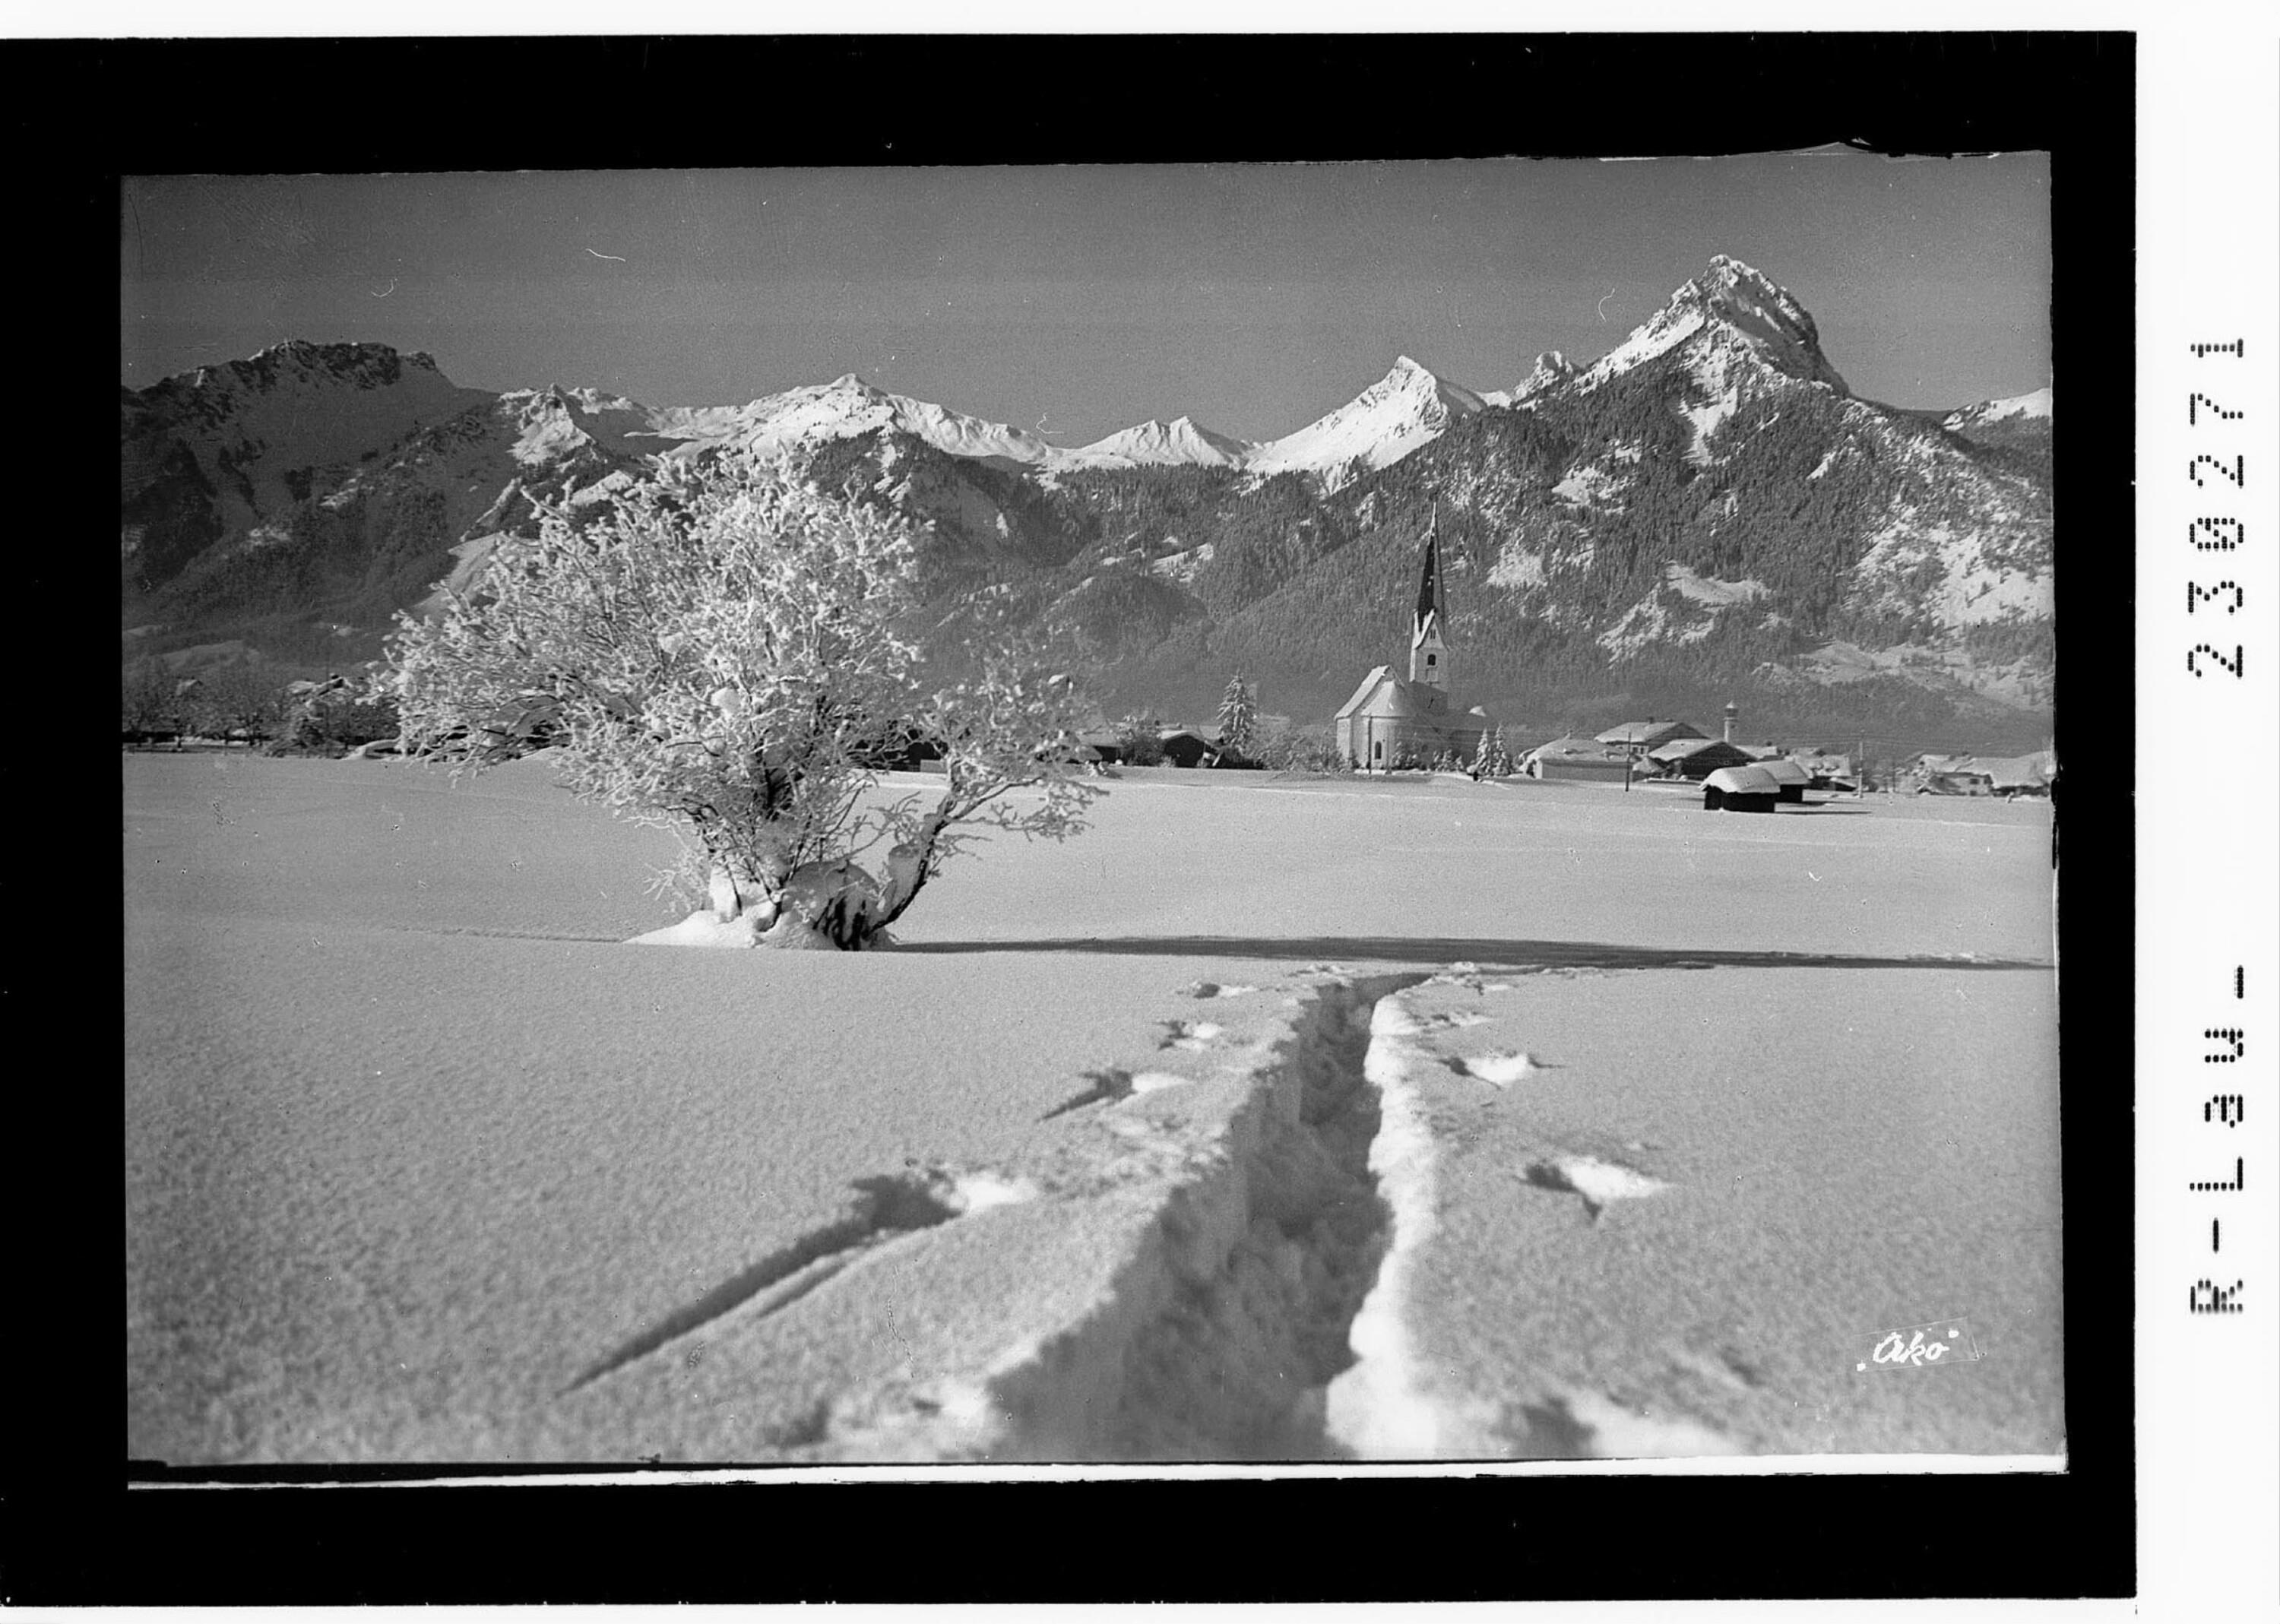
x=1238 y=716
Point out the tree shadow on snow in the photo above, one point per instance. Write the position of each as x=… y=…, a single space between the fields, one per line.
x=1488 y=952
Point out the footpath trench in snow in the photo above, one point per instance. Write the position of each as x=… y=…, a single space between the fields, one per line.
x=1223 y=1331
x=1263 y=1312
x=1380 y=1408
x=1273 y=1316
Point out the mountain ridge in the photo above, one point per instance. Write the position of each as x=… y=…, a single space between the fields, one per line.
x=1671 y=506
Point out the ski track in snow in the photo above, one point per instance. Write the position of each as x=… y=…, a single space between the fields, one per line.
x=1380 y=1408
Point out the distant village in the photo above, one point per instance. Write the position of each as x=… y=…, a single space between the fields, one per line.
x=1651 y=751
x=1395 y=724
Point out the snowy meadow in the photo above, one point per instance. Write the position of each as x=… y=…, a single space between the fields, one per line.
x=1268 y=1119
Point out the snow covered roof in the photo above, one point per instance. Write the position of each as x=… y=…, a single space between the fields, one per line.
x=1678 y=750
x=1751 y=779
x=1369 y=685
x=1396 y=697
x=2015 y=772
x=1649 y=732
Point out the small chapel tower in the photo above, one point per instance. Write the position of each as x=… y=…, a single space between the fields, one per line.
x=1428 y=647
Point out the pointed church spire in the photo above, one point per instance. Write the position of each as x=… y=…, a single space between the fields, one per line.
x=1429 y=587
x=1428 y=648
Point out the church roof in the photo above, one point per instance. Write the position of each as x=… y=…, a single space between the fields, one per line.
x=1377 y=673
x=1383 y=694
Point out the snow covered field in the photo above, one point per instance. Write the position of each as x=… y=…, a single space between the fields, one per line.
x=424 y=1162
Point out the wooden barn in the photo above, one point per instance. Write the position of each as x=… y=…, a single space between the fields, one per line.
x=1184 y=747
x=1792 y=778
x=1747 y=788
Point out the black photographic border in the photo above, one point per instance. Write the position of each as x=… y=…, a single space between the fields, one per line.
x=77 y=1532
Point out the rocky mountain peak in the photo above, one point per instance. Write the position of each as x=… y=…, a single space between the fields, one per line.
x=1748 y=303
x=1730 y=305
x=1550 y=367
x=293 y=369
x=1414 y=380
x=1402 y=411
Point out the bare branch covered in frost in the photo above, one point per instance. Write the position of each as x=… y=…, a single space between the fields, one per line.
x=721 y=653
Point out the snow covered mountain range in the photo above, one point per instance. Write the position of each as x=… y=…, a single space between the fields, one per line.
x=1705 y=503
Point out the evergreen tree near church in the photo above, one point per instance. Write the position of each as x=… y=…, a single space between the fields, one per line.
x=1238 y=717
x=1493 y=760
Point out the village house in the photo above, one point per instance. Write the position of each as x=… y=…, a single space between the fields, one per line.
x=1827 y=771
x=2020 y=774
x=1576 y=758
x=2006 y=776
x=1099 y=745
x=1640 y=737
x=1175 y=747
x=1392 y=723
x=1696 y=757
x=1945 y=774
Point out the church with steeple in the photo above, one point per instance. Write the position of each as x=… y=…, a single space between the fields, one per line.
x=1394 y=722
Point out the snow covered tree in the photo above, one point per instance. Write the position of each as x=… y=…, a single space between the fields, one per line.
x=1141 y=734
x=1492 y=761
x=722 y=651
x=1238 y=717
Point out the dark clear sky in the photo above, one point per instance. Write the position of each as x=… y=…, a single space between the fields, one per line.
x=1250 y=297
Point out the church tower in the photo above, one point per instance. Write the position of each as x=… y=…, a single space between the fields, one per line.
x=1428 y=647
